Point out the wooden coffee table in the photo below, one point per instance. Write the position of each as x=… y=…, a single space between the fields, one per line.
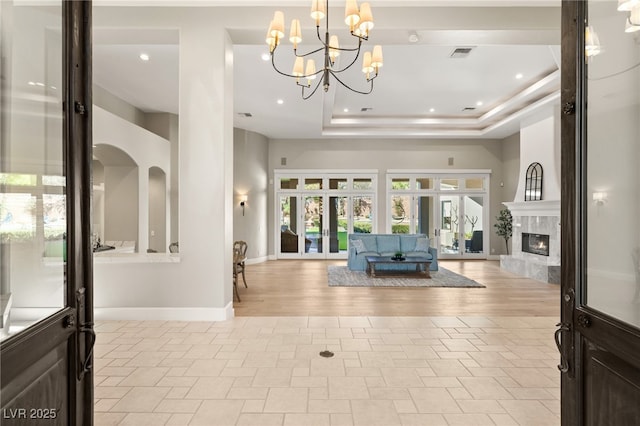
x=421 y=266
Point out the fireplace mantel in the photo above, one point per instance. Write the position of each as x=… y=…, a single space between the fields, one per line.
x=534 y=208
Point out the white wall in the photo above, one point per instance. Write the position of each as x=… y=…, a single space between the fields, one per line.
x=121 y=204
x=540 y=142
x=384 y=154
x=250 y=172
x=510 y=166
x=200 y=284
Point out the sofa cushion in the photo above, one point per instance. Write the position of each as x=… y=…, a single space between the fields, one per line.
x=422 y=244
x=388 y=243
x=369 y=242
x=408 y=242
x=358 y=245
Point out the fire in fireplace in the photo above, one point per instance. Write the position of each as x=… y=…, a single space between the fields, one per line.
x=535 y=244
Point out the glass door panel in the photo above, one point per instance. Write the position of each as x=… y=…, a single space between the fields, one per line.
x=424 y=217
x=338 y=224
x=33 y=211
x=313 y=218
x=400 y=214
x=450 y=225
x=473 y=220
x=289 y=226
x=612 y=202
x=362 y=206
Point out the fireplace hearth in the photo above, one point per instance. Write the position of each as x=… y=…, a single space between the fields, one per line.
x=535 y=244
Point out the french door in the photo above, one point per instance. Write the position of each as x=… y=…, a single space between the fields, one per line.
x=449 y=208
x=316 y=226
x=46 y=282
x=461 y=224
x=599 y=333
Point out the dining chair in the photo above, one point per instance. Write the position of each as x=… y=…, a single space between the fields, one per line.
x=239 y=257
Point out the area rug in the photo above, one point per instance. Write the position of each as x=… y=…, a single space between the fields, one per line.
x=341 y=276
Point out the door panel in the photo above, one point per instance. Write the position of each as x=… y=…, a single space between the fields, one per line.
x=338 y=225
x=313 y=220
x=449 y=226
x=600 y=334
x=613 y=385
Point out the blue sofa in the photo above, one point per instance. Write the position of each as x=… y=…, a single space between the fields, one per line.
x=388 y=245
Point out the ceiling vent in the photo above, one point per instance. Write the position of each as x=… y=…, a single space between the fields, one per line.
x=468 y=109
x=245 y=114
x=460 y=52
x=365 y=109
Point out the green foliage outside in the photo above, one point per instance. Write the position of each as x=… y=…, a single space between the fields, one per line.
x=504 y=226
x=362 y=227
x=400 y=229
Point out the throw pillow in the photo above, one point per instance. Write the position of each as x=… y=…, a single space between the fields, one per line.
x=358 y=245
x=422 y=244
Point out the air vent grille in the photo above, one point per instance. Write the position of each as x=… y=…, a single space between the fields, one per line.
x=460 y=52
x=468 y=109
x=245 y=114
x=365 y=109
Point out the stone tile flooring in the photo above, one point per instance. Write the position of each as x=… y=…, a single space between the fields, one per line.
x=386 y=371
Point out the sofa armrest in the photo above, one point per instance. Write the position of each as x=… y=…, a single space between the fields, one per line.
x=434 y=252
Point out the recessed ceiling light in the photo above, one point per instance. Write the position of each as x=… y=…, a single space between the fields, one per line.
x=519 y=76
x=265 y=56
x=31 y=83
x=479 y=103
x=39 y=84
x=432 y=110
x=144 y=57
x=346 y=110
x=280 y=101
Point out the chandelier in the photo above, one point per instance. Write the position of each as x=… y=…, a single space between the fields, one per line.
x=360 y=22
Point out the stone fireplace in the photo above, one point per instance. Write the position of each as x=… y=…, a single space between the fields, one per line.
x=536 y=224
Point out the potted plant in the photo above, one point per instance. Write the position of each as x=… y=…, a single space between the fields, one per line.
x=398 y=256
x=504 y=226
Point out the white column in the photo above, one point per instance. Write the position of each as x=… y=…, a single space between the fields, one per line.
x=143 y=208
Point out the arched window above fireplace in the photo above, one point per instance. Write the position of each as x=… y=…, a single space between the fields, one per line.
x=533 y=184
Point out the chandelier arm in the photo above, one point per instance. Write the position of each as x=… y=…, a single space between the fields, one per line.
x=273 y=63
x=353 y=90
x=352 y=62
x=295 y=52
x=315 y=89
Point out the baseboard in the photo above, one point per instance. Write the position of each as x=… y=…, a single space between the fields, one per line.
x=256 y=260
x=493 y=257
x=273 y=257
x=135 y=313
x=165 y=314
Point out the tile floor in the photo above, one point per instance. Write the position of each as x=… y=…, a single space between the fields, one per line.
x=386 y=371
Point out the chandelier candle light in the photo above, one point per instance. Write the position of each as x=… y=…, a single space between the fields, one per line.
x=360 y=22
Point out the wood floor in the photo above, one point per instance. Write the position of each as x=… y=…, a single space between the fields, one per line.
x=299 y=287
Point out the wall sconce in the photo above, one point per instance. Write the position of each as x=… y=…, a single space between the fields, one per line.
x=599 y=198
x=243 y=199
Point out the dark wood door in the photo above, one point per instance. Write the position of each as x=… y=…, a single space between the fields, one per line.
x=599 y=336
x=45 y=250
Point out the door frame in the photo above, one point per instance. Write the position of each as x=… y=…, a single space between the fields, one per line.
x=581 y=327
x=67 y=335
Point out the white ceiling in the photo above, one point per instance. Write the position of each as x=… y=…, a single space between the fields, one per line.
x=416 y=77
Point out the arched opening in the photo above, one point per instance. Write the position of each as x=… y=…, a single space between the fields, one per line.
x=115 y=198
